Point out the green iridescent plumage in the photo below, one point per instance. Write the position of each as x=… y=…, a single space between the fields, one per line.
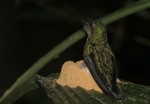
x=100 y=59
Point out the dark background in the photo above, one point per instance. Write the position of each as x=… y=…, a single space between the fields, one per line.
x=30 y=28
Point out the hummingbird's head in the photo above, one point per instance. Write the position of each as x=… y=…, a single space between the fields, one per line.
x=96 y=30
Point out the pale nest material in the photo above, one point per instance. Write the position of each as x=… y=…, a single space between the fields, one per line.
x=77 y=74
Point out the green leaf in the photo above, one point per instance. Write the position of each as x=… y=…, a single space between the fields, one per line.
x=136 y=94
x=20 y=90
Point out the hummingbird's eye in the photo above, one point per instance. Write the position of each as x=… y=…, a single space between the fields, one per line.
x=92 y=24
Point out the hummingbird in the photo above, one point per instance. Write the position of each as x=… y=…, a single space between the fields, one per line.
x=100 y=60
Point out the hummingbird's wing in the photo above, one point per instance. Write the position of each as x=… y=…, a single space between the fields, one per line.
x=101 y=63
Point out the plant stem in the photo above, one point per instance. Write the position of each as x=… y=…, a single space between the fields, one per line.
x=75 y=37
x=128 y=10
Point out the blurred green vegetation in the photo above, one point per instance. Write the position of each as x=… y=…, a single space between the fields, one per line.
x=30 y=28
